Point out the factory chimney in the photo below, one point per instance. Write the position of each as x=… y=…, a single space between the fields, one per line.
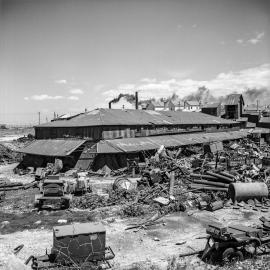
x=136 y=100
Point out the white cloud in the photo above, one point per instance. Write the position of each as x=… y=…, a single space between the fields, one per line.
x=194 y=25
x=254 y=40
x=257 y=38
x=61 y=81
x=222 y=84
x=73 y=98
x=76 y=91
x=43 y=97
x=149 y=80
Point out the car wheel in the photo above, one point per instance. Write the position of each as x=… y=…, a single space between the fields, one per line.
x=232 y=255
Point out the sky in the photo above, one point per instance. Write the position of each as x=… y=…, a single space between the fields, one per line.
x=67 y=55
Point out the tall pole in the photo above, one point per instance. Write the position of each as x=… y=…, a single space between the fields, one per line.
x=39 y=118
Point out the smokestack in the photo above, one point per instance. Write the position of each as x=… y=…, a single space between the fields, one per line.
x=110 y=105
x=136 y=101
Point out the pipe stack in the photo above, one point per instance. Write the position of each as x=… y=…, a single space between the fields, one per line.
x=216 y=181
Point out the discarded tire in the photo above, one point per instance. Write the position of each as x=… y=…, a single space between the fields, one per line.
x=122 y=183
x=232 y=255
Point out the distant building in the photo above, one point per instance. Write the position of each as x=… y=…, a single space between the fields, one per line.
x=192 y=106
x=253 y=108
x=150 y=105
x=178 y=105
x=169 y=106
x=212 y=109
x=233 y=106
x=264 y=122
x=158 y=105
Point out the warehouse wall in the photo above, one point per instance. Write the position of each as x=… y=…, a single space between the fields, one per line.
x=96 y=133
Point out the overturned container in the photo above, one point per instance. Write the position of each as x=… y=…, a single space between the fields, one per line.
x=246 y=191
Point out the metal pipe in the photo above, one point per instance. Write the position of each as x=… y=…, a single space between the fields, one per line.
x=221 y=177
x=227 y=174
x=246 y=191
x=208 y=187
x=190 y=253
x=204 y=176
x=204 y=182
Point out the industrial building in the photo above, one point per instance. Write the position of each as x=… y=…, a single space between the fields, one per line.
x=111 y=136
x=234 y=105
x=212 y=109
x=116 y=123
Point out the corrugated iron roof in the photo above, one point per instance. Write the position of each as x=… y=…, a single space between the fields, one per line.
x=233 y=99
x=55 y=148
x=242 y=119
x=259 y=130
x=265 y=120
x=250 y=125
x=193 y=102
x=211 y=105
x=158 y=103
x=154 y=142
x=118 y=117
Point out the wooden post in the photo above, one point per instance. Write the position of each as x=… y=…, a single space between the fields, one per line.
x=172 y=179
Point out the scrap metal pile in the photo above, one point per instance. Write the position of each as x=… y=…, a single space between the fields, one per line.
x=172 y=180
x=7 y=155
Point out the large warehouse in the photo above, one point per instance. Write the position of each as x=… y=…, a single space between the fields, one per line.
x=116 y=123
x=110 y=136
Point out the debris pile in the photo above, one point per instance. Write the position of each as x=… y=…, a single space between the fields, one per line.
x=7 y=155
x=171 y=180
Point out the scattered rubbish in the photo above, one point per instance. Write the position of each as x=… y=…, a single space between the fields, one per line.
x=162 y=200
x=4 y=223
x=62 y=221
x=180 y=243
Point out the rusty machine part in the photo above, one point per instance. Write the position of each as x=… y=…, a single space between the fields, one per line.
x=246 y=191
x=55 y=190
x=235 y=242
x=78 y=245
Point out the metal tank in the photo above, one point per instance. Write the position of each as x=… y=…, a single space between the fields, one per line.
x=246 y=191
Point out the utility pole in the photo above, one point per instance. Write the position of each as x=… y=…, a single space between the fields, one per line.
x=39 y=118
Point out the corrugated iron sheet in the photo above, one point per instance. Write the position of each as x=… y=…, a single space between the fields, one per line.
x=211 y=105
x=57 y=148
x=259 y=130
x=233 y=99
x=118 y=117
x=265 y=120
x=154 y=142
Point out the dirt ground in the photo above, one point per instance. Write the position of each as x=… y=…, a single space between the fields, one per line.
x=175 y=234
